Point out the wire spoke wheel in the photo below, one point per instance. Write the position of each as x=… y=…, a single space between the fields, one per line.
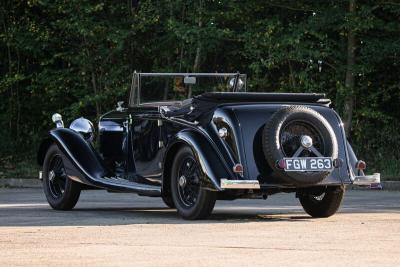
x=322 y=202
x=188 y=182
x=191 y=199
x=57 y=177
x=61 y=192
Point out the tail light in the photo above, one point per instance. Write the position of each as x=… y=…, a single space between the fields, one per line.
x=238 y=168
x=281 y=164
x=361 y=165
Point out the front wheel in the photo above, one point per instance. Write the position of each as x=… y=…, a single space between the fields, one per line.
x=167 y=199
x=322 y=202
x=190 y=199
x=61 y=192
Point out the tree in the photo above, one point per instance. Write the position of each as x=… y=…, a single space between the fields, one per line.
x=77 y=57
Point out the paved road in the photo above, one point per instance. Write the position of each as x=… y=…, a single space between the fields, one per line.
x=124 y=229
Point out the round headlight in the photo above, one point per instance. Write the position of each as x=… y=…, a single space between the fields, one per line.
x=84 y=127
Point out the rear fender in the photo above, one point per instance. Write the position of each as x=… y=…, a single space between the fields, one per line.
x=213 y=167
x=352 y=159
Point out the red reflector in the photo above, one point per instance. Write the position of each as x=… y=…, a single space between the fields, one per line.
x=361 y=165
x=281 y=164
x=238 y=168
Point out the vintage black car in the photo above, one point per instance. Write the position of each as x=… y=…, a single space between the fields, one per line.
x=193 y=138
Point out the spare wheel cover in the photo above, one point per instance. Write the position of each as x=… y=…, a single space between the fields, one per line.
x=282 y=137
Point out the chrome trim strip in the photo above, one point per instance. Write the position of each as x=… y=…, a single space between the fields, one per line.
x=367 y=179
x=239 y=184
x=110 y=128
x=40 y=175
x=184 y=74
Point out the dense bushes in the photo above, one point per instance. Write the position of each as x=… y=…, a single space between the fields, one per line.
x=76 y=58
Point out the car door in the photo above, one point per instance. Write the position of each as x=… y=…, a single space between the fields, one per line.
x=113 y=140
x=146 y=145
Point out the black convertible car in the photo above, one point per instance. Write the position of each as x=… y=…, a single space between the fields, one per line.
x=193 y=138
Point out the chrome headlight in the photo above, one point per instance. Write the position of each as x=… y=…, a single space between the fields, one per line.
x=84 y=127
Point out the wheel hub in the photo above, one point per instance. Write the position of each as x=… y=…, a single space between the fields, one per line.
x=57 y=178
x=306 y=141
x=182 y=181
x=51 y=175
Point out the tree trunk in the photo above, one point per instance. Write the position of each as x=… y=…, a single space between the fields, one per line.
x=292 y=80
x=196 y=64
x=95 y=90
x=349 y=82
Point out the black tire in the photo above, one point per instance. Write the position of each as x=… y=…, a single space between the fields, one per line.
x=167 y=199
x=308 y=122
x=61 y=192
x=191 y=200
x=324 y=203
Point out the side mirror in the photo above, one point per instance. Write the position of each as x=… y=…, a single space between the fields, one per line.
x=239 y=85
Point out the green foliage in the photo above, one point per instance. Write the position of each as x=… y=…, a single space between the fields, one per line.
x=76 y=58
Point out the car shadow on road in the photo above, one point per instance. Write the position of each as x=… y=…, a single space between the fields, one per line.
x=45 y=216
x=29 y=208
x=42 y=215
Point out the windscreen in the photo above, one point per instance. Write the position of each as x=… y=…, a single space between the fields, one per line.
x=179 y=88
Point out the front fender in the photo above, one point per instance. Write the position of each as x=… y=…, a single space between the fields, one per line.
x=81 y=160
x=213 y=166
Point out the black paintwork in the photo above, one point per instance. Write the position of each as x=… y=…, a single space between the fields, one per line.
x=137 y=147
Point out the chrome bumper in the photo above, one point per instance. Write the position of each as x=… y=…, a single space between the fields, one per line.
x=368 y=180
x=240 y=184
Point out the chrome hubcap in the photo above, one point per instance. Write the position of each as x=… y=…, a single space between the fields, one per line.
x=182 y=181
x=56 y=178
x=51 y=175
x=306 y=141
x=188 y=182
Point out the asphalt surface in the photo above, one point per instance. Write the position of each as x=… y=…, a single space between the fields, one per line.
x=123 y=229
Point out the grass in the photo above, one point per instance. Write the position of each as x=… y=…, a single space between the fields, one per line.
x=390 y=170
x=18 y=167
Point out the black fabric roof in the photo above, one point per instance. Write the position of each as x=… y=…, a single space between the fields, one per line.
x=260 y=97
x=201 y=107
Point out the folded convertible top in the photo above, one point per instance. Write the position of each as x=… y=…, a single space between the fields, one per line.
x=201 y=107
x=260 y=97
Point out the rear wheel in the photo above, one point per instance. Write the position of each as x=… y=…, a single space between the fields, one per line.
x=323 y=202
x=61 y=192
x=190 y=199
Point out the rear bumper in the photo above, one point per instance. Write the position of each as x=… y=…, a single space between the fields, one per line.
x=373 y=180
x=239 y=184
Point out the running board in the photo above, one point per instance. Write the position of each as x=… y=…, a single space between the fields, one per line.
x=123 y=185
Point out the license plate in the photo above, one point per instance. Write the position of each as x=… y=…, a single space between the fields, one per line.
x=308 y=164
